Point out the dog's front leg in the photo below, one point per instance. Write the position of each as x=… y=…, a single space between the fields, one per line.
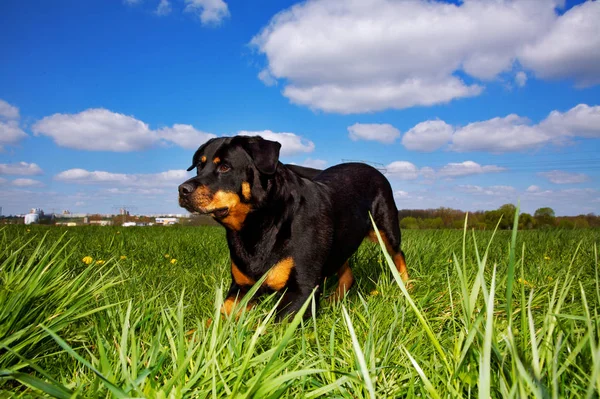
x=234 y=295
x=293 y=299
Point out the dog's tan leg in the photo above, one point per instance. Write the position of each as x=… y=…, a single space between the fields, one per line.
x=345 y=281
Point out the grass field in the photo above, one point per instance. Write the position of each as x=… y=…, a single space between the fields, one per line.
x=486 y=315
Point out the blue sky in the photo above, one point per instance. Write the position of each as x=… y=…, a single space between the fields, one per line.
x=467 y=104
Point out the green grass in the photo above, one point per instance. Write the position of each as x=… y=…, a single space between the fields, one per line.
x=138 y=324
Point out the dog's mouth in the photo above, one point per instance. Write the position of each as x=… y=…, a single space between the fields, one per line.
x=219 y=213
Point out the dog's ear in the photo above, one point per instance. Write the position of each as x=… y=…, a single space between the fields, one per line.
x=197 y=154
x=264 y=153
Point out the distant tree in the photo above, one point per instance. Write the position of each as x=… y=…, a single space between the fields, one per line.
x=526 y=221
x=581 y=222
x=545 y=217
x=508 y=215
x=566 y=224
x=409 y=222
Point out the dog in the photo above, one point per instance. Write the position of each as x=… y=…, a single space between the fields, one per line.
x=299 y=225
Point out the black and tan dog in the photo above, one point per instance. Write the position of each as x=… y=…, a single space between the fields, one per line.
x=298 y=224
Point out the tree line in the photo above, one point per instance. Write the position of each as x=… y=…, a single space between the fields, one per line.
x=448 y=218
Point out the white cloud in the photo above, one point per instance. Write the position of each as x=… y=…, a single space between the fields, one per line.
x=20 y=168
x=266 y=77
x=364 y=56
x=132 y=2
x=144 y=180
x=570 y=49
x=533 y=189
x=10 y=133
x=314 y=163
x=492 y=190
x=26 y=183
x=402 y=170
x=467 y=168
x=163 y=8
x=581 y=120
x=562 y=177
x=511 y=133
x=428 y=136
x=521 y=78
x=211 y=12
x=291 y=144
x=506 y=134
x=7 y=111
x=2 y=181
x=98 y=129
x=185 y=136
x=381 y=132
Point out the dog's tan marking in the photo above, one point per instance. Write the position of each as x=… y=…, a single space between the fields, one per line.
x=397 y=257
x=345 y=281
x=230 y=304
x=201 y=197
x=216 y=160
x=237 y=209
x=280 y=273
x=246 y=192
x=203 y=159
x=239 y=277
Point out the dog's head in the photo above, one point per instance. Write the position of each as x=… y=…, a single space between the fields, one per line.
x=228 y=181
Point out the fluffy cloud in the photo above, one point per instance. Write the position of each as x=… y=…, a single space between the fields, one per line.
x=562 y=177
x=382 y=132
x=363 y=56
x=467 y=168
x=26 y=183
x=314 y=163
x=20 y=168
x=506 y=134
x=521 y=78
x=98 y=129
x=10 y=131
x=492 y=190
x=428 y=136
x=7 y=111
x=211 y=12
x=581 y=120
x=145 y=180
x=511 y=133
x=185 y=136
x=402 y=170
x=291 y=144
x=570 y=49
x=163 y=8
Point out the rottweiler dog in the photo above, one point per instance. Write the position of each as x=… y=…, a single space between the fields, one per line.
x=300 y=225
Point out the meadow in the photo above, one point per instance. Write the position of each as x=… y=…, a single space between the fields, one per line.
x=134 y=312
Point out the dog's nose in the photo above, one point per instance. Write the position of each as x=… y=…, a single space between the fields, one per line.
x=186 y=189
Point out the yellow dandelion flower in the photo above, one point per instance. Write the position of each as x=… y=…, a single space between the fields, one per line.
x=519 y=280
x=167 y=256
x=546 y=257
x=87 y=260
x=28 y=230
x=122 y=257
x=118 y=232
x=374 y=293
x=173 y=261
x=100 y=262
x=550 y=278
x=449 y=260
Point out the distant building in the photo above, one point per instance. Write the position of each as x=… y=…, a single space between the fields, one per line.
x=101 y=222
x=165 y=221
x=34 y=216
x=129 y=224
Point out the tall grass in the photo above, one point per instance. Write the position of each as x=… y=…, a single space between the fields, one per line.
x=488 y=314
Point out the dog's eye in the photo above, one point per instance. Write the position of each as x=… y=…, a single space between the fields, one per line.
x=223 y=168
